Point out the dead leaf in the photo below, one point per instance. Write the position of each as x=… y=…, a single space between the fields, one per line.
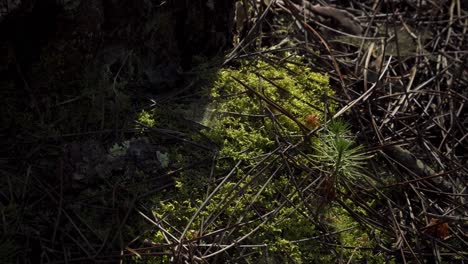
x=436 y=228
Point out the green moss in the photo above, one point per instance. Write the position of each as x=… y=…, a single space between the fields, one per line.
x=251 y=111
x=146 y=119
x=270 y=89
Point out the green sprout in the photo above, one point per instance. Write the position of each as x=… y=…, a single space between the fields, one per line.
x=338 y=152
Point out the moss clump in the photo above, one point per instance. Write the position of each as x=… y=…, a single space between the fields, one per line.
x=291 y=88
x=248 y=186
x=252 y=104
x=146 y=119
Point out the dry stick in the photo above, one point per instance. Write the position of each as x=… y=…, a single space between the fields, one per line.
x=231 y=227
x=448 y=132
x=428 y=104
x=449 y=31
x=303 y=202
x=80 y=233
x=296 y=14
x=60 y=205
x=366 y=65
x=255 y=197
x=400 y=235
x=271 y=214
x=212 y=217
x=253 y=230
x=103 y=245
x=52 y=197
x=403 y=99
x=459 y=141
x=223 y=230
x=262 y=188
x=80 y=245
x=165 y=232
x=288 y=92
x=289 y=160
x=159 y=226
x=274 y=105
x=361 y=46
x=303 y=199
x=406 y=98
x=323 y=235
x=34 y=102
x=427 y=146
x=233 y=54
x=442 y=193
x=203 y=205
x=278 y=129
x=172 y=134
x=226 y=245
x=387 y=119
x=449 y=217
x=423 y=92
x=416 y=165
x=124 y=219
x=211 y=179
x=364 y=95
x=354 y=214
x=424 y=178
x=410 y=209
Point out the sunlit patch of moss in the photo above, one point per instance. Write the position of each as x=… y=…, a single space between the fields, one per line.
x=243 y=116
x=146 y=119
x=250 y=111
x=239 y=139
x=265 y=87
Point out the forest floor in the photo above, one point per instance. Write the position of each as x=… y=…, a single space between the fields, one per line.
x=328 y=134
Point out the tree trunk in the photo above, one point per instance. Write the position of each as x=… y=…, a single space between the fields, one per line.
x=55 y=43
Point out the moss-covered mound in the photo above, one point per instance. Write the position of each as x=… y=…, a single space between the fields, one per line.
x=254 y=195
